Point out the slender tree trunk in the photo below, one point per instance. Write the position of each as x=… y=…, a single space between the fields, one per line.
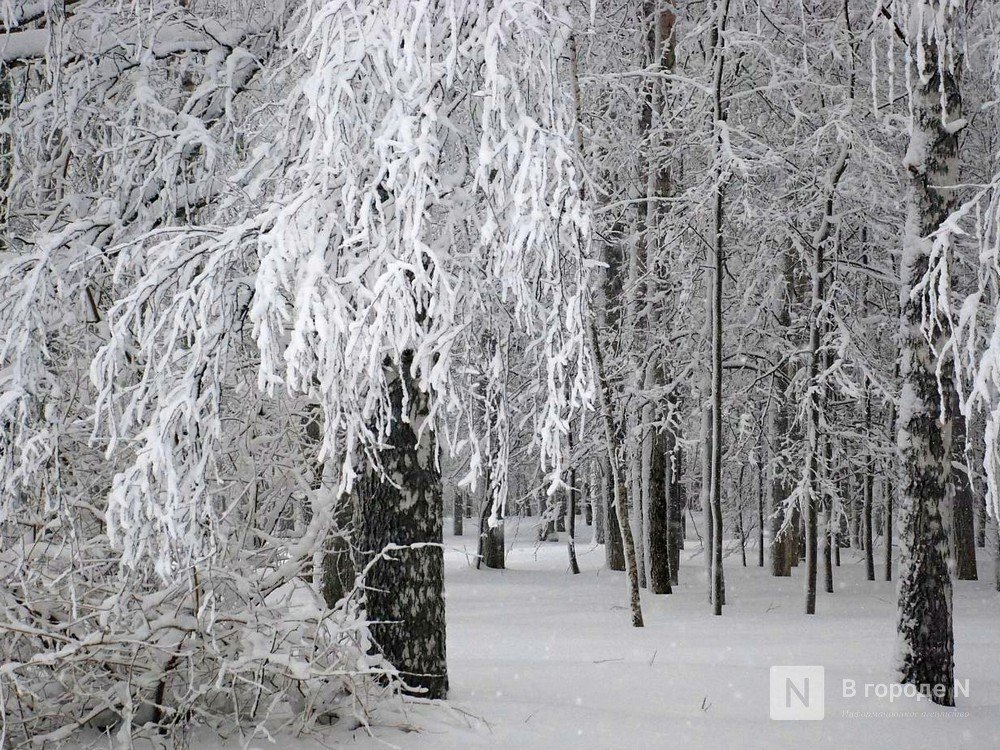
x=890 y=495
x=676 y=509
x=829 y=536
x=780 y=533
x=706 y=493
x=401 y=532
x=829 y=500
x=980 y=500
x=574 y=494
x=866 y=510
x=926 y=653
x=659 y=519
x=760 y=501
x=636 y=493
x=613 y=547
x=621 y=511
x=811 y=502
x=458 y=507
x=740 y=526
x=963 y=542
x=600 y=500
x=836 y=540
x=718 y=275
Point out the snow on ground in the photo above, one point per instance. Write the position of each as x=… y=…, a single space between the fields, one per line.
x=539 y=658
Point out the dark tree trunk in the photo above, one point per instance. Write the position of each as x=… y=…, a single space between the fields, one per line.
x=740 y=527
x=782 y=535
x=659 y=524
x=491 y=539
x=401 y=534
x=829 y=534
x=546 y=519
x=868 y=479
x=613 y=549
x=926 y=653
x=890 y=505
x=760 y=504
x=620 y=502
x=718 y=277
x=963 y=522
x=675 y=511
x=574 y=504
x=829 y=516
x=704 y=494
x=458 y=506
x=866 y=525
x=599 y=500
x=980 y=501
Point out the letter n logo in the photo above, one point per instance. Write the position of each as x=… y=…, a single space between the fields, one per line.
x=797 y=693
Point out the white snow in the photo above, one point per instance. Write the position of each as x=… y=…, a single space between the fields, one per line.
x=539 y=658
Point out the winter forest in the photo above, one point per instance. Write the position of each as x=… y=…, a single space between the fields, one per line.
x=499 y=373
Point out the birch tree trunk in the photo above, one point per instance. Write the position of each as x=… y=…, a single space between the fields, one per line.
x=401 y=532
x=718 y=274
x=866 y=511
x=621 y=512
x=926 y=650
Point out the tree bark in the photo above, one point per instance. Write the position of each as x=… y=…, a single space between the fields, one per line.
x=675 y=513
x=621 y=511
x=599 y=499
x=718 y=275
x=760 y=501
x=458 y=508
x=491 y=538
x=980 y=500
x=890 y=495
x=659 y=523
x=963 y=542
x=401 y=532
x=780 y=532
x=573 y=498
x=866 y=511
x=926 y=653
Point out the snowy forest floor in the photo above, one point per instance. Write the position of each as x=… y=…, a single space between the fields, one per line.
x=539 y=658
